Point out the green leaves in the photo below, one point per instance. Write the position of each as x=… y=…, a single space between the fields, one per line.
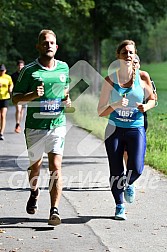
x=80 y=25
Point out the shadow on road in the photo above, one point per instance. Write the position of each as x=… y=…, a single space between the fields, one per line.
x=16 y=222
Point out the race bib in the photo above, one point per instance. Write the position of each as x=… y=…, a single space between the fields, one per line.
x=126 y=114
x=51 y=107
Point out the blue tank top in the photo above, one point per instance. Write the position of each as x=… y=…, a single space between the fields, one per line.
x=130 y=116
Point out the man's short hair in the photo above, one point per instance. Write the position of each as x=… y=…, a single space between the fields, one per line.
x=43 y=33
x=20 y=62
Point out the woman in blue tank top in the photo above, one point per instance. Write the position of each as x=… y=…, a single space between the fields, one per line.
x=121 y=100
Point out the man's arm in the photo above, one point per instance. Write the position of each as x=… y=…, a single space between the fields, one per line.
x=24 y=98
x=66 y=101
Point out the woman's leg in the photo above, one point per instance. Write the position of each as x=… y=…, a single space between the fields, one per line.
x=115 y=149
x=3 y=120
x=136 y=147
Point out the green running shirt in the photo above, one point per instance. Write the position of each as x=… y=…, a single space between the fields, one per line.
x=45 y=112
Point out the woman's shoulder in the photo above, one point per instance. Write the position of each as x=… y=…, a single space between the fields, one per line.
x=144 y=75
x=111 y=79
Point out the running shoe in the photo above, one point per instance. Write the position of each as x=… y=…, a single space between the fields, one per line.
x=32 y=206
x=18 y=129
x=1 y=137
x=54 y=218
x=120 y=212
x=129 y=193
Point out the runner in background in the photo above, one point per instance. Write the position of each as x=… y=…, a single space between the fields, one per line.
x=6 y=87
x=143 y=76
x=19 y=108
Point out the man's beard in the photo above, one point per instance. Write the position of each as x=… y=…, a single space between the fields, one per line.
x=48 y=55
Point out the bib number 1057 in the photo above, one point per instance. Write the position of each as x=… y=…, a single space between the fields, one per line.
x=126 y=115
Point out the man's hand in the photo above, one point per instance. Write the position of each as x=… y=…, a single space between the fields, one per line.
x=40 y=90
x=67 y=101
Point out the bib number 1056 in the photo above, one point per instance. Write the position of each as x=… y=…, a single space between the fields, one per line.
x=51 y=107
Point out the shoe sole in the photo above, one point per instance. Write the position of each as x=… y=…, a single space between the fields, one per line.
x=120 y=218
x=32 y=210
x=54 y=220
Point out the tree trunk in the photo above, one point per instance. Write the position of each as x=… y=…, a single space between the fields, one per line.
x=96 y=64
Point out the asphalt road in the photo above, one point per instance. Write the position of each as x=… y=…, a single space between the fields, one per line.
x=87 y=207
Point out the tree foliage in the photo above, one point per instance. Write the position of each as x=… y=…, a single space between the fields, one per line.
x=81 y=26
x=157 y=42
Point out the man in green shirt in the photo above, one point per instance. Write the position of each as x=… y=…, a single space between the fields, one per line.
x=44 y=86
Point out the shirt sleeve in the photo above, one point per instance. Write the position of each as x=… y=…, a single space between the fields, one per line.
x=22 y=83
x=10 y=81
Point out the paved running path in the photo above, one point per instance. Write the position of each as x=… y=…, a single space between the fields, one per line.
x=86 y=207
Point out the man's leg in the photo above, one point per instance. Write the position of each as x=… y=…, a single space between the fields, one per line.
x=35 y=147
x=55 y=187
x=33 y=173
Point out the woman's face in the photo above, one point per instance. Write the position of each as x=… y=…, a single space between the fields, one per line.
x=127 y=54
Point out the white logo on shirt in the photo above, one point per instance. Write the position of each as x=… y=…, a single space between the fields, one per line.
x=62 y=77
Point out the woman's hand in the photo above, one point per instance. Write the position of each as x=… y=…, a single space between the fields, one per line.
x=141 y=107
x=122 y=103
x=144 y=107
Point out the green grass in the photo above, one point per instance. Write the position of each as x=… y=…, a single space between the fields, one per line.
x=157 y=72
x=86 y=117
x=157 y=118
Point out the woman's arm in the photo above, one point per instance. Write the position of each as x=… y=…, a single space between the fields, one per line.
x=104 y=107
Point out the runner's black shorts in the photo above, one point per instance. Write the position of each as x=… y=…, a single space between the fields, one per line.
x=4 y=103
